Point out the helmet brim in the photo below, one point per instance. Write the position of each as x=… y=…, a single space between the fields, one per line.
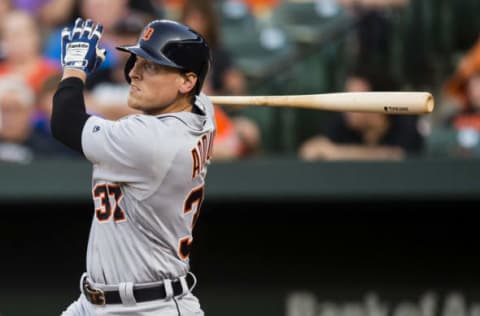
x=160 y=59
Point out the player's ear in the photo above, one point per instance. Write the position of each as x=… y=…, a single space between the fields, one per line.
x=188 y=83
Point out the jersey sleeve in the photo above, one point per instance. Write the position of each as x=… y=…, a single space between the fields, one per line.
x=127 y=151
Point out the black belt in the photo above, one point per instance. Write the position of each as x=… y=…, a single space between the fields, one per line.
x=100 y=297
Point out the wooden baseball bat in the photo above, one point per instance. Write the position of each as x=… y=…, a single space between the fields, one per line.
x=377 y=102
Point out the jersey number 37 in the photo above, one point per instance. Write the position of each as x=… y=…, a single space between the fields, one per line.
x=108 y=193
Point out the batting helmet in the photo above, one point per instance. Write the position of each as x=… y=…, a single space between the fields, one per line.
x=171 y=44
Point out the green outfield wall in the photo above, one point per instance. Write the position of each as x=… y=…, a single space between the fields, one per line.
x=268 y=179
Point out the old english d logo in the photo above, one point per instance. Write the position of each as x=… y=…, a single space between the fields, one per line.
x=147 y=34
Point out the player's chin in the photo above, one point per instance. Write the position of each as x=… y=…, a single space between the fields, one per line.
x=134 y=103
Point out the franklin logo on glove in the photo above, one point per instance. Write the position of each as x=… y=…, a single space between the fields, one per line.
x=75 y=55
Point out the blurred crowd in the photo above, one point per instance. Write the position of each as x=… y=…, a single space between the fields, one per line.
x=30 y=71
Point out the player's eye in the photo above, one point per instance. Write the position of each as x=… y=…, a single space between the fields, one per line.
x=150 y=67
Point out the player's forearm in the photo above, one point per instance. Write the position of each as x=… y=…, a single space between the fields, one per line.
x=68 y=113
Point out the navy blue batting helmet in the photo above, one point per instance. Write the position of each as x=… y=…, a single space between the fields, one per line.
x=171 y=44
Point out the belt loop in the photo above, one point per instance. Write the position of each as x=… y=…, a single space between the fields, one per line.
x=168 y=289
x=194 y=281
x=126 y=293
x=183 y=283
x=82 y=282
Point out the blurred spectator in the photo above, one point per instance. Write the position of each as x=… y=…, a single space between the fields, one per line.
x=106 y=12
x=19 y=141
x=50 y=13
x=22 y=48
x=374 y=30
x=156 y=8
x=56 y=12
x=260 y=8
x=368 y=136
x=5 y=7
x=172 y=8
x=237 y=135
x=373 y=4
x=41 y=118
x=461 y=112
x=462 y=88
x=30 y=6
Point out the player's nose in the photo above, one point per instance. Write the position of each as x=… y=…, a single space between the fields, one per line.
x=135 y=72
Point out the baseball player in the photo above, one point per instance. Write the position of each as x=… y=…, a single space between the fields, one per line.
x=148 y=170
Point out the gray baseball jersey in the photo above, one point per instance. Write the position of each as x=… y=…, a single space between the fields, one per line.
x=148 y=186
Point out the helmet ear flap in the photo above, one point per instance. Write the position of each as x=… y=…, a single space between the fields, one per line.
x=203 y=73
x=128 y=66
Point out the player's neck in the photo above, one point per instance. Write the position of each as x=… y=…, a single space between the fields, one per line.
x=181 y=105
